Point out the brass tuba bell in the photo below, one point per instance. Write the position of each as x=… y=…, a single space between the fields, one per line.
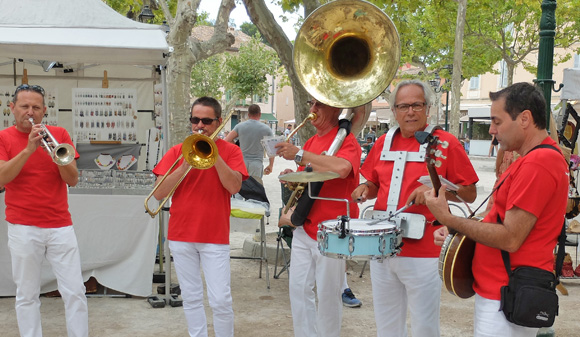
x=346 y=53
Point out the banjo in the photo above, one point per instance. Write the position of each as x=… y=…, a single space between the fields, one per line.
x=457 y=250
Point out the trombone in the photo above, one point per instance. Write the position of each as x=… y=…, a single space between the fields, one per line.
x=199 y=151
x=62 y=154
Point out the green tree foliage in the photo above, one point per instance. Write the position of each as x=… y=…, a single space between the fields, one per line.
x=251 y=30
x=511 y=28
x=243 y=74
x=208 y=77
x=247 y=69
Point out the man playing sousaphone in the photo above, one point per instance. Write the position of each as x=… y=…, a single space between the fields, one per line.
x=309 y=268
x=392 y=169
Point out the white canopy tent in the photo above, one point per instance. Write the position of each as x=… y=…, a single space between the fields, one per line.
x=85 y=31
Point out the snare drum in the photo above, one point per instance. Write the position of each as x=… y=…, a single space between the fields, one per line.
x=365 y=239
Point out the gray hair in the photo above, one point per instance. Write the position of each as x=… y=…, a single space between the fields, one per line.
x=427 y=91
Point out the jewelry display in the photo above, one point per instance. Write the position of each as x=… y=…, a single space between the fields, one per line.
x=105 y=114
x=111 y=179
x=50 y=98
x=105 y=161
x=125 y=162
x=154 y=145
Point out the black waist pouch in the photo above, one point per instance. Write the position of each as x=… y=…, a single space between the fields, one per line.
x=530 y=298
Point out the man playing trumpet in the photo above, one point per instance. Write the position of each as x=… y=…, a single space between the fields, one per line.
x=39 y=222
x=309 y=268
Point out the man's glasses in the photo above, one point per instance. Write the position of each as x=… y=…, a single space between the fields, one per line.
x=418 y=106
x=26 y=87
x=315 y=103
x=205 y=121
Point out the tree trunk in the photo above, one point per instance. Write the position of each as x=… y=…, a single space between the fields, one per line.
x=454 y=114
x=269 y=28
x=187 y=51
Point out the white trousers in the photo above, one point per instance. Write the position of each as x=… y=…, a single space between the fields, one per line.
x=401 y=282
x=489 y=321
x=307 y=270
x=29 y=245
x=190 y=259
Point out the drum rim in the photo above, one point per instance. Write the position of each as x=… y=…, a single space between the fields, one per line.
x=390 y=228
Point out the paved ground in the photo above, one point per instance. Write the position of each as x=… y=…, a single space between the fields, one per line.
x=266 y=312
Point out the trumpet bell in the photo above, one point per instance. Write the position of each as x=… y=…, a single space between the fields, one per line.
x=346 y=53
x=199 y=151
x=63 y=154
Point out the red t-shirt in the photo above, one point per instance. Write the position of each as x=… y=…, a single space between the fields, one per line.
x=323 y=210
x=538 y=184
x=37 y=196
x=200 y=207
x=456 y=168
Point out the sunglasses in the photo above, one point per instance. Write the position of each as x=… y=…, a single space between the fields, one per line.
x=205 y=121
x=26 y=87
x=315 y=103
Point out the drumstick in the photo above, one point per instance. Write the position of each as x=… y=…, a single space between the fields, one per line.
x=393 y=214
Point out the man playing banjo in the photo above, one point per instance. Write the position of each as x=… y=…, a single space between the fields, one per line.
x=392 y=169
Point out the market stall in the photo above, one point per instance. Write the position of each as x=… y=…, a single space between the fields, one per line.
x=102 y=73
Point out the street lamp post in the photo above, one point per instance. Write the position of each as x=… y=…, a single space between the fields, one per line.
x=439 y=87
x=146 y=13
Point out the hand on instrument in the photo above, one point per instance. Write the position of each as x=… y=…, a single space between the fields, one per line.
x=439 y=235
x=437 y=204
x=418 y=195
x=359 y=194
x=286 y=171
x=286 y=150
x=34 y=137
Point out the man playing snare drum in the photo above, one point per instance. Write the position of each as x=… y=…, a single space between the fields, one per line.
x=309 y=268
x=392 y=169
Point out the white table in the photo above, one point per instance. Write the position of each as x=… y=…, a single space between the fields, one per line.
x=117 y=242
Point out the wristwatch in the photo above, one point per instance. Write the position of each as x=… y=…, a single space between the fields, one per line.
x=298 y=158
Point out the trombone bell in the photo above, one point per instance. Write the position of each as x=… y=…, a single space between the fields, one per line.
x=199 y=151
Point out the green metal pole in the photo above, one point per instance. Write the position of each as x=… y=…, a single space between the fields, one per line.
x=544 y=81
x=546 y=53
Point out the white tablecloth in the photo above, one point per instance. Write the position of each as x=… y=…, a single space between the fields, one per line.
x=117 y=242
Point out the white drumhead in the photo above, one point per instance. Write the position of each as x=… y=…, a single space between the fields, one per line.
x=362 y=225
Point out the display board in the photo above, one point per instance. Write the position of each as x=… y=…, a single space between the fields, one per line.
x=50 y=101
x=104 y=114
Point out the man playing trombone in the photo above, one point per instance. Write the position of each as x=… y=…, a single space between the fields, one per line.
x=199 y=222
x=39 y=222
x=309 y=268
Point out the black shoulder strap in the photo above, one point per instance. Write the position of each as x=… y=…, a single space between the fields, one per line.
x=545 y=146
x=561 y=239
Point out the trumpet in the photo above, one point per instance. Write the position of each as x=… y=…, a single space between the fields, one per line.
x=62 y=154
x=200 y=152
x=297 y=188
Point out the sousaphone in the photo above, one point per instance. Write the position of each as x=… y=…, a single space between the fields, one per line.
x=346 y=53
